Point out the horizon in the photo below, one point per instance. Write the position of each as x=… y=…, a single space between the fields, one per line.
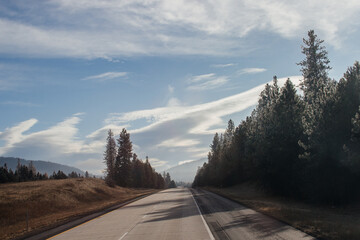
x=172 y=74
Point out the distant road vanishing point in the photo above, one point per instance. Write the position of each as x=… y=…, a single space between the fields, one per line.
x=175 y=214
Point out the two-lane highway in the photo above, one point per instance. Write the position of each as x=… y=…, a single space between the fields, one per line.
x=170 y=214
x=175 y=214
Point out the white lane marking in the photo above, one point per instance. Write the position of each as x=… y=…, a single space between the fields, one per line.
x=123 y=236
x=144 y=216
x=206 y=226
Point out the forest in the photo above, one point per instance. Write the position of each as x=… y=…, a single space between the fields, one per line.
x=124 y=168
x=303 y=144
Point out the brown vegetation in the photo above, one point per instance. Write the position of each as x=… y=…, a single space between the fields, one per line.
x=52 y=202
x=323 y=222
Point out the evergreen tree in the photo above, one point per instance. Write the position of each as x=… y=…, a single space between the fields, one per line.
x=110 y=158
x=149 y=178
x=314 y=67
x=123 y=162
x=138 y=172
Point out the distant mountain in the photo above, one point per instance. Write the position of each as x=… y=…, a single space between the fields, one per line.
x=41 y=166
x=186 y=172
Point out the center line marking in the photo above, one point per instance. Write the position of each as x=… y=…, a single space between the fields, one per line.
x=123 y=235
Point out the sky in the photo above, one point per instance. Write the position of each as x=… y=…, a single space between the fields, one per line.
x=171 y=72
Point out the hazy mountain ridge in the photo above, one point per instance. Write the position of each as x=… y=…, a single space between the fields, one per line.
x=41 y=166
x=186 y=172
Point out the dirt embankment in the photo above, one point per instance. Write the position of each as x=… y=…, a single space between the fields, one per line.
x=52 y=202
x=323 y=222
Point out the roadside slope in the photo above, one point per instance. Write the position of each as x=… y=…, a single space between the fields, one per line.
x=53 y=202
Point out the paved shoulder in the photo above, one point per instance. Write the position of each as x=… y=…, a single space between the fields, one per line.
x=230 y=220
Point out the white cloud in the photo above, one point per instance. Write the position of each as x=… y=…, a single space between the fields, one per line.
x=110 y=29
x=106 y=76
x=206 y=82
x=58 y=143
x=205 y=115
x=155 y=162
x=178 y=142
x=211 y=84
x=223 y=65
x=190 y=128
x=200 y=78
x=173 y=102
x=15 y=134
x=251 y=70
x=185 y=161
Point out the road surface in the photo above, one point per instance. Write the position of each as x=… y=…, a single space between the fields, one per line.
x=174 y=214
x=170 y=214
x=230 y=220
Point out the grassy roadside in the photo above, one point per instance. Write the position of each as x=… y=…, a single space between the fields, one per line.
x=323 y=222
x=54 y=202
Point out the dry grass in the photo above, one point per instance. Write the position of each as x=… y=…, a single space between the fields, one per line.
x=53 y=202
x=323 y=222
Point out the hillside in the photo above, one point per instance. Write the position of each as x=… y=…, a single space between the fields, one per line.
x=52 y=202
x=41 y=166
x=187 y=171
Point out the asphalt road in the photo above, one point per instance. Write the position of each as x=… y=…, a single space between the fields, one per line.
x=230 y=220
x=170 y=214
x=174 y=214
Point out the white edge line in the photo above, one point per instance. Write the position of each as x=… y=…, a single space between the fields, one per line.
x=123 y=235
x=206 y=226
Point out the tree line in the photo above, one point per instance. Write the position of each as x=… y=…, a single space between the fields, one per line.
x=303 y=145
x=25 y=173
x=125 y=169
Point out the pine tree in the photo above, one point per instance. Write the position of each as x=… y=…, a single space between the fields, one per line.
x=110 y=158
x=149 y=178
x=314 y=67
x=123 y=162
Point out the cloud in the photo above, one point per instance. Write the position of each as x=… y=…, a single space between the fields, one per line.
x=223 y=65
x=111 y=29
x=156 y=163
x=106 y=76
x=185 y=161
x=206 y=82
x=176 y=143
x=173 y=102
x=166 y=130
x=189 y=128
x=251 y=70
x=92 y=165
x=200 y=78
x=58 y=143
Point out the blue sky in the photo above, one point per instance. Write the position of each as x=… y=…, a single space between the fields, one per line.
x=171 y=72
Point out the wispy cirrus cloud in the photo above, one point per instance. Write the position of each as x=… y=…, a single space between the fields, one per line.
x=106 y=76
x=178 y=143
x=251 y=70
x=223 y=65
x=206 y=82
